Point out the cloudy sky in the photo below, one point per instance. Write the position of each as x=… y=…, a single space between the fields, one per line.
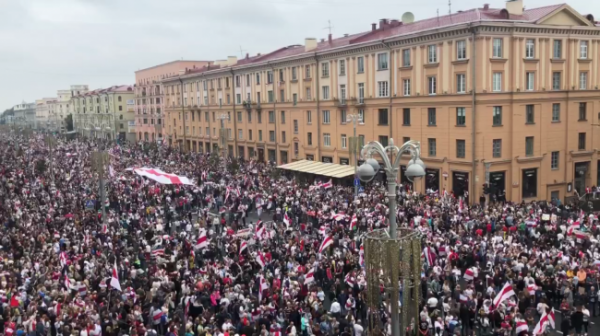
x=47 y=45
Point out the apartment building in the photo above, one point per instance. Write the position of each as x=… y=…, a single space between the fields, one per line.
x=105 y=113
x=149 y=96
x=24 y=115
x=504 y=95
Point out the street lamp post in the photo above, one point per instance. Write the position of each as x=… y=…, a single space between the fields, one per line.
x=354 y=118
x=368 y=170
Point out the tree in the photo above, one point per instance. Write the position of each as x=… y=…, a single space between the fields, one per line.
x=40 y=166
x=214 y=160
x=69 y=122
x=233 y=166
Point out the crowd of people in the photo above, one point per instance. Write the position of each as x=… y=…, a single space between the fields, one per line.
x=247 y=250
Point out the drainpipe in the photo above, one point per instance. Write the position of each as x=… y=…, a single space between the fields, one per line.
x=183 y=148
x=235 y=147
x=390 y=66
x=474 y=114
x=318 y=108
x=274 y=111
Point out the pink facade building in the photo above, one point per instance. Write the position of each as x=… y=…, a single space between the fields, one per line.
x=149 y=98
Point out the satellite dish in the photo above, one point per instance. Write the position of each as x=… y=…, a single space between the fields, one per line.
x=408 y=17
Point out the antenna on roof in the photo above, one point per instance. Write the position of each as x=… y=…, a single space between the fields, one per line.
x=449 y=7
x=241 y=52
x=438 y=16
x=329 y=26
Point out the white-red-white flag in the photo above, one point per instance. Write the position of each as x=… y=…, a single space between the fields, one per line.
x=310 y=277
x=243 y=246
x=287 y=220
x=202 y=241
x=114 y=280
x=505 y=293
x=353 y=222
x=260 y=259
x=325 y=244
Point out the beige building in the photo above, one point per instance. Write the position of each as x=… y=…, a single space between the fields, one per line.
x=506 y=95
x=105 y=113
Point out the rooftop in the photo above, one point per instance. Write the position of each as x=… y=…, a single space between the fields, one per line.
x=114 y=88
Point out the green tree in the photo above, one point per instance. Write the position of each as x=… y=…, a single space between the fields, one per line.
x=234 y=166
x=40 y=166
x=69 y=122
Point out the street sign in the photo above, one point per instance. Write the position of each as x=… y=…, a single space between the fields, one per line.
x=90 y=204
x=361 y=190
x=356 y=181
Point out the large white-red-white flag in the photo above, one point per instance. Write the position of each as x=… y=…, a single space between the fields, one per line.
x=325 y=244
x=114 y=280
x=547 y=319
x=505 y=293
x=243 y=246
x=310 y=277
x=260 y=259
x=202 y=241
x=161 y=177
x=521 y=327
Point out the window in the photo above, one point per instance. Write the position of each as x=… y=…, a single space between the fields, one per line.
x=431 y=116
x=309 y=117
x=497 y=148
x=583 y=80
x=269 y=77
x=250 y=135
x=294 y=73
x=461 y=50
x=383 y=140
x=583 y=49
x=325 y=92
x=283 y=136
x=529 y=114
x=361 y=93
x=383 y=116
x=382 y=88
x=432 y=147
x=229 y=135
x=260 y=135
x=272 y=136
x=461 y=119
x=360 y=64
x=257 y=78
x=554 y=160
x=309 y=138
x=432 y=85
x=343 y=116
x=406 y=116
x=326 y=117
x=238 y=98
x=361 y=116
x=528 y=146
x=460 y=148
x=121 y=108
x=259 y=116
x=556 y=79
x=556 y=112
x=308 y=97
x=271 y=117
x=343 y=93
x=432 y=53
x=497 y=48
x=249 y=116
x=281 y=77
x=406 y=86
x=557 y=49
x=247 y=80
x=581 y=142
x=295 y=126
x=307 y=71
x=324 y=69
x=529 y=183
x=281 y=95
x=270 y=96
x=344 y=141
x=342 y=68
x=461 y=83
x=237 y=81
x=497 y=82
x=326 y=139
x=529 y=81
x=240 y=134
x=530 y=48
x=497 y=116
x=382 y=61
x=282 y=120
x=582 y=111
x=295 y=99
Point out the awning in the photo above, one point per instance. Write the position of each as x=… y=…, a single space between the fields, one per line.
x=319 y=168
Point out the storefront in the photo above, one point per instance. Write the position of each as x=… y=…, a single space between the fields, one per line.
x=498 y=183
x=460 y=184
x=432 y=179
x=529 y=182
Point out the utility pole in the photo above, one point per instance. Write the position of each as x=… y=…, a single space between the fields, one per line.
x=99 y=161
x=50 y=142
x=355 y=147
x=183 y=112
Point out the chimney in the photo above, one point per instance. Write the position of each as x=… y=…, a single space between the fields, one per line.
x=514 y=7
x=383 y=23
x=373 y=26
x=310 y=43
x=247 y=55
x=329 y=38
x=486 y=6
x=231 y=60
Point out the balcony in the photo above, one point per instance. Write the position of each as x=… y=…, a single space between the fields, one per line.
x=342 y=102
x=247 y=105
x=360 y=101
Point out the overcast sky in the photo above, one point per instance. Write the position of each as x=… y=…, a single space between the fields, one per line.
x=47 y=45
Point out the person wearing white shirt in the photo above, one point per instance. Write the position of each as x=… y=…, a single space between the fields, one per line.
x=335 y=307
x=358 y=329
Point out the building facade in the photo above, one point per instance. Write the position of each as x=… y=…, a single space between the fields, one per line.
x=509 y=96
x=149 y=97
x=105 y=113
x=24 y=115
